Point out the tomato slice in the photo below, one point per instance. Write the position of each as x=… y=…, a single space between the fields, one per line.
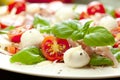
x=95 y=7
x=53 y=48
x=117 y=13
x=15 y=35
x=83 y=15
x=2 y=26
x=18 y=5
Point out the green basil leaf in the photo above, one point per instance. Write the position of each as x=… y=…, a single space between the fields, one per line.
x=117 y=55
x=80 y=33
x=97 y=60
x=28 y=55
x=9 y=28
x=45 y=29
x=6 y=30
x=110 y=11
x=38 y=20
x=115 y=50
x=98 y=36
x=66 y=29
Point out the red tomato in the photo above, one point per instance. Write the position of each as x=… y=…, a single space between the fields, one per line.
x=19 y=5
x=39 y=1
x=116 y=45
x=15 y=35
x=53 y=48
x=83 y=15
x=117 y=13
x=2 y=26
x=95 y=7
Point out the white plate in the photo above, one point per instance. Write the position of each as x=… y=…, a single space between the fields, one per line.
x=59 y=70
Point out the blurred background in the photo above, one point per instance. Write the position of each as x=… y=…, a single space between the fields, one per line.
x=113 y=3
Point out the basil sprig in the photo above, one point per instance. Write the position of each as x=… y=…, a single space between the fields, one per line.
x=92 y=36
x=28 y=55
x=98 y=36
x=41 y=24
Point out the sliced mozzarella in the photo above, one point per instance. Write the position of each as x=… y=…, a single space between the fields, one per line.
x=31 y=38
x=108 y=22
x=76 y=57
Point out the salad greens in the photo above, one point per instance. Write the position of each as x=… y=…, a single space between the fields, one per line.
x=110 y=11
x=92 y=36
x=6 y=30
x=28 y=55
x=40 y=20
x=74 y=30
x=98 y=36
x=70 y=29
x=41 y=24
x=97 y=60
x=116 y=52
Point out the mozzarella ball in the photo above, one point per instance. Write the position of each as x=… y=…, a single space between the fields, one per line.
x=64 y=14
x=108 y=22
x=76 y=57
x=31 y=38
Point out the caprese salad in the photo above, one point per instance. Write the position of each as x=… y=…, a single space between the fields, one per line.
x=89 y=36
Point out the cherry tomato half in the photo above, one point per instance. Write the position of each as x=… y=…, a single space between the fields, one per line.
x=15 y=34
x=83 y=15
x=19 y=5
x=53 y=48
x=117 y=13
x=95 y=7
x=2 y=26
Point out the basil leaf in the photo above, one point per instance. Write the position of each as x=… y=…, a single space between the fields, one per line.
x=38 y=20
x=6 y=30
x=115 y=50
x=45 y=29
x=42 y=24
x=66 y=29
x=98 y=36
x=117 y=55
x=110 y=11
x=97 y=60
x=28 y=55
x=80 y=33
x=9 y=28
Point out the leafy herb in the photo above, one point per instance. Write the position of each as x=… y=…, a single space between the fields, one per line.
x=92 y=36
x=97 y=60
x=115 y=50
x=28 y=55
x=98 y=36
x=110 y=11
x=117 y=55
x=38 y=20
x=41 y=24
x=6 y=30
x=68 y=29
